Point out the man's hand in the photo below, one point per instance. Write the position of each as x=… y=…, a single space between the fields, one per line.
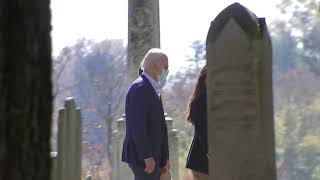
x=166 y=167
x=150 y=164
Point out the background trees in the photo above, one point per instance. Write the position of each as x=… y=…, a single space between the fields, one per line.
x=95 y=74
x=296 y=84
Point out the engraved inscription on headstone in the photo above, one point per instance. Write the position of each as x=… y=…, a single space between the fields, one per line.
x=240 y=120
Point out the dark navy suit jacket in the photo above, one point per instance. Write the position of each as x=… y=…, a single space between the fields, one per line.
x=146 y=129
x=197 y=157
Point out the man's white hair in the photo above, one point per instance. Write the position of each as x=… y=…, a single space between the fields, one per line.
x=152 y=57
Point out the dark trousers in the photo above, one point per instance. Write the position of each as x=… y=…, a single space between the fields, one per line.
x=139 y=173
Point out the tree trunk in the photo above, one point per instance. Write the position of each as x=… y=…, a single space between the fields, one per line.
x=25 y=89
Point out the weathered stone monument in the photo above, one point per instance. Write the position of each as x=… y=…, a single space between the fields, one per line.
x=240 y=115
x=67 y=162
x=143 y=34
x=173 y=148
x=121 y=169
x=143 y=31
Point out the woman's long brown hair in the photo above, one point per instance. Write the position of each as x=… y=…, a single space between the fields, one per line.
x=198 y=90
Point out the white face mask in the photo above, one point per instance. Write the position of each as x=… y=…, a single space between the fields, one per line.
x=163 y=77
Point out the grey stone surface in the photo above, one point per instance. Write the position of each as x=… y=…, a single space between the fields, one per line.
x=120 y=170
x=68 y=160
x=240 y=117
x=143 y=31
x=173 y=148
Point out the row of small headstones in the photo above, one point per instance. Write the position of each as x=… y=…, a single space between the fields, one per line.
x=71 y=114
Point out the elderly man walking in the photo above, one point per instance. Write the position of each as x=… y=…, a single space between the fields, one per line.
x=145 y=146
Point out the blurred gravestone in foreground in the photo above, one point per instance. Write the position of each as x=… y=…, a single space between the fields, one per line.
x=240 y=112
x=25 y=90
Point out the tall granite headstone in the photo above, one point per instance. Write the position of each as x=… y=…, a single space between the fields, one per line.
x=143 y=31
x=240 y=112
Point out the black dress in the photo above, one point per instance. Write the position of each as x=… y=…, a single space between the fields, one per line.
x=197 y=158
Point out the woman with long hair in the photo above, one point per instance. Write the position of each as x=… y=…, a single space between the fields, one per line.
x=197 y=159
